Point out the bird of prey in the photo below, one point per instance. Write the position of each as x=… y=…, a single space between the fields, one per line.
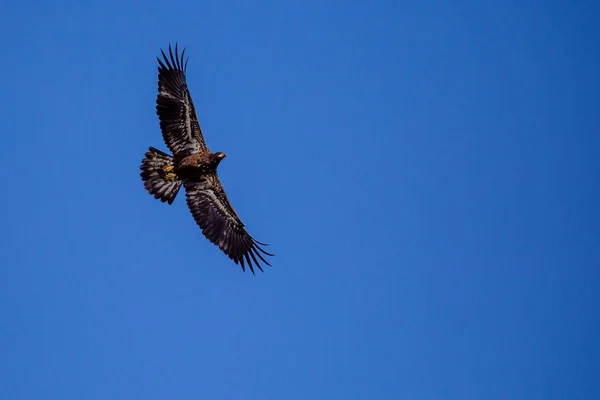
x=194 y=166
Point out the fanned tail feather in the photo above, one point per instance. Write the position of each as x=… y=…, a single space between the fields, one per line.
x=158 y=175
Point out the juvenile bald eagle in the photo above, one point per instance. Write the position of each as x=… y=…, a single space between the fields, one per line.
x=194 y=166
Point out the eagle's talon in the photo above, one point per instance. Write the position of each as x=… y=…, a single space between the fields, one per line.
x=171 y=176
x=169 y=168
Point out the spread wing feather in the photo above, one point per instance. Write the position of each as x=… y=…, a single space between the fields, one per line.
x=220 y=224
x=178 y=120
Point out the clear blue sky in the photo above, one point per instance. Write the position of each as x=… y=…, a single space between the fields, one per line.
x=426 y=172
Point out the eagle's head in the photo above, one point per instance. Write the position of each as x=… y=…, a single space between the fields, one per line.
x=217 y=158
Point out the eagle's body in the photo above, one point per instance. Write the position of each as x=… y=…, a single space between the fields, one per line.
x=194 y=166
x=197 y=165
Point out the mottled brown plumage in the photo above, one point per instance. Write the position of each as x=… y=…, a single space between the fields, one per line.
x=194 y=166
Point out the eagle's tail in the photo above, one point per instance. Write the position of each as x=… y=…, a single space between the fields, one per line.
x=159 y=176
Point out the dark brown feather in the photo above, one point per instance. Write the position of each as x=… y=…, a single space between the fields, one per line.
x=178 y=120
x=219 y=222
x=155 y=178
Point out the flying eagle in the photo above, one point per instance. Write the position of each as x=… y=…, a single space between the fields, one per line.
x=194 y=166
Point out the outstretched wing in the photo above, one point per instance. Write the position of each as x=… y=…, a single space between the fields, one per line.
x=178 y=120
x=220 y=224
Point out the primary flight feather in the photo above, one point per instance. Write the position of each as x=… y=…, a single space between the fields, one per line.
x=194 y=166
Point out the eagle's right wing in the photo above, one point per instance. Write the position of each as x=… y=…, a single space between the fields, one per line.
x=178 y=120
x=219 y=222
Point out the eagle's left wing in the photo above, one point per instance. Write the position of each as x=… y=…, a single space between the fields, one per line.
x=178 y=120
x=219 y=222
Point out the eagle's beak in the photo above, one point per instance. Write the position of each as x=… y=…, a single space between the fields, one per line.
x=222 y=155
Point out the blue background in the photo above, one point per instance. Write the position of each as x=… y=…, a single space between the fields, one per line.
x=426 y=172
